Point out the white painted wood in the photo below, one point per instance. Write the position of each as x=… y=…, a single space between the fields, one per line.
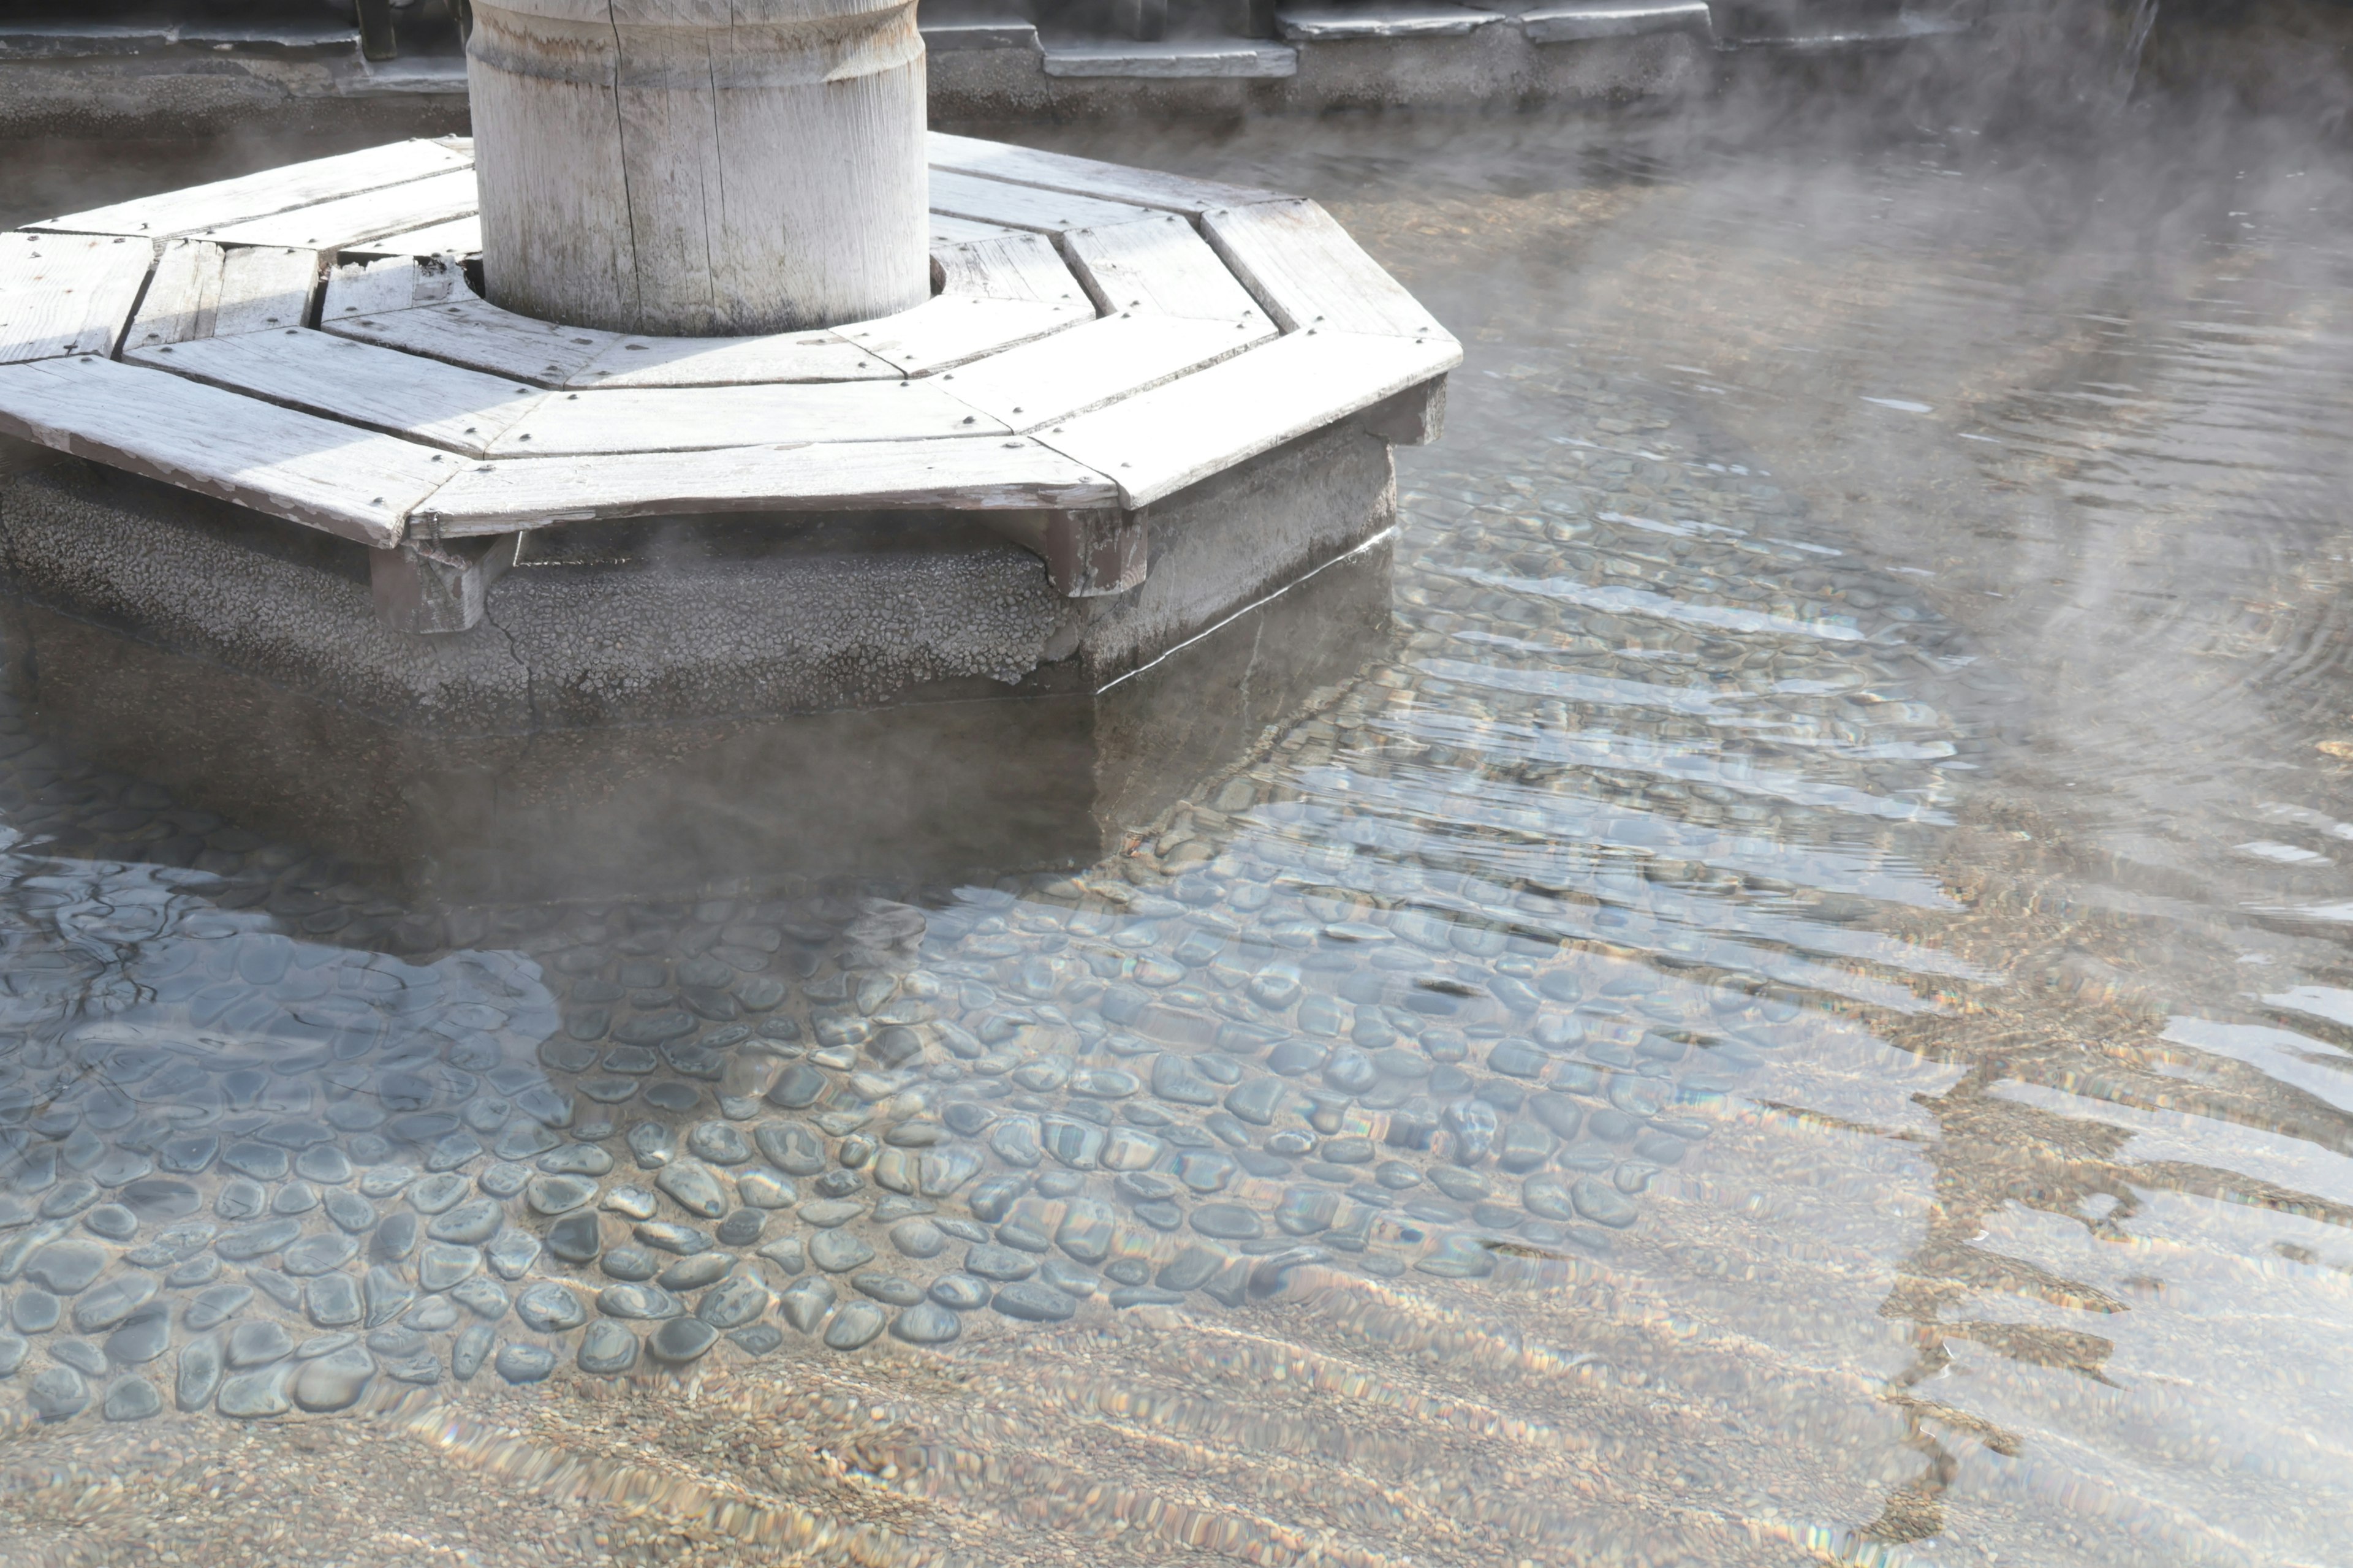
x=1095 y=363
x=733 y=362
x=201 y=289
x=1085 y=176
x=402 y=394
x=64 y=294
x=465 y=331
x=1156 y=264
x=348 y=220
x=700 y=169
x=961 y=230
x=1024 y=206
x=1158 y=442
x=1175 y=59
x=460 y=237
x=1307 y=272
x=691 y=419
x=251 y=196
x=1410 y=19
x=979 y=473
x=395 y=283
x=306 y=469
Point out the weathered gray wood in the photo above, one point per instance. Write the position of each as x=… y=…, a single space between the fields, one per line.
x=458 y=236
x=1095 y=363
x=1578 y=20
x=1414 y=417
x=1157 y=264
x=734 y=362
x=348 y=220
x=395 y=283
x=290 y=465
x=1307 y=272
x=1158 y=442
x=1395 y=19
x=977 y=474
x=251 y=196
x=963 y=230
x=994 y=294
x=1024 y=206
x=1085 y=176
x=687 y=169
x=465 y=331
x=438 y=585
x=201 y=289
x=686 y=419
x=65 y=294
x=1020 y=267
x=402 y=394
x=1088 y=554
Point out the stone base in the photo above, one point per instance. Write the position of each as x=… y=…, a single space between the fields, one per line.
x=670 y=704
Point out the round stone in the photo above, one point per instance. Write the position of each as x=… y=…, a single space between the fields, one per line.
x=608 y=1349
x=918 y=1239
x=681 y=1339
x=524 y=1364
x=13 y=1348
x=574 y=1238
x=629 y=1263
x=111 y=1302
x=719 y=1143
x=512 y=1252
x=743 y=1228
x=1227 y=1222
x=856 y=1324
x=637 y=1301
x=694 y=1273
x=332 y=1300
x=692 y=1188
x=59 y=1393
x=838 y=1252
x=1034 y=1303
x=1602 y=1203
x=324 y=1163
x=683 y=1240
x=926 y=1323
x=257 y=1342
x=35 y=1312
x=334 y=1380
x=252 y=1395
x=805 y=1303
x=766 y=1190
x=550 y=1307
x=198 y=1372
x=483 y=1298
x=65 y=1267
x=396 y=1237
x=320 y=1254
x=759 y=1339
x=439 y=1266
x=991 y=1261
x=253 y=1241
x=734 y=1302
x=469 y=1224
x=960 y=1292
x=889 y=1288
x=79 y=1354
x=439 y=1194
x=112 y=1221
x=132 y=1399
x=472 y=1349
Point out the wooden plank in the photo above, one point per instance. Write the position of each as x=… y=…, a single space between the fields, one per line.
x=979 y=473
x=1307 y=272
x=733 y=362
x=470 y=331
x=395 y=283
x=458 y=236
x=955 y=328
x=686 y=419
x=962 y=230
x=1024 y=206
x=1085 y=176
x=347 y=220
x=1158 y=442
x=64 y=294
x=1095 y=363
x=201 y=289
x=1023 y=266
x=306 y=469
x=421 y=399
x=251 y=196
x=1160 y=265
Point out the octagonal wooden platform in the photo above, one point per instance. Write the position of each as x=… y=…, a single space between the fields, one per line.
x=306 y=342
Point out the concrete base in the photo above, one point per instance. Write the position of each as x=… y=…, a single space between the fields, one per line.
x=657 y=705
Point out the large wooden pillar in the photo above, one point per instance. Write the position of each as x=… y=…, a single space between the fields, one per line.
x=701 y=167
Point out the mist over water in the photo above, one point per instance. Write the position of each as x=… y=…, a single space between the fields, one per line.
x=1797 y=1013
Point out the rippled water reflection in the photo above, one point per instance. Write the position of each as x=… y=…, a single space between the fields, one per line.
x=1798 y=1015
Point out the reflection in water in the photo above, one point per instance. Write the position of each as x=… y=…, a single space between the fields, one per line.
x=1796 y=1015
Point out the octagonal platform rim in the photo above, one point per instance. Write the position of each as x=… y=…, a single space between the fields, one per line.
x=305 y=342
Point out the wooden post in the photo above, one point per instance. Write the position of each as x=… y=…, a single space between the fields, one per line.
x=701 y=168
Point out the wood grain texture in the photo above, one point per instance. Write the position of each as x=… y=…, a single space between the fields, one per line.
x=201 y=289
x=960 y=230
x=293 y=465
x=956 y=329
x=378 y=388
x=348 y=220
x=1024 y=206
x=697 y=169
x=251 y=196
x=689 y=419
x=1307 y=272
x=1160 y=265
x=460 y=237
x=1095 y=363
x=1085 y=176
x=1158 y=442
x=979 y=473
x=733 y=362
x=393 y=283
x=469 y=332
x=1021 y=267
x=64 y=294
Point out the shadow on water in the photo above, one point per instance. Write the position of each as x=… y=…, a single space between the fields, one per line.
x=1797 y=1013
